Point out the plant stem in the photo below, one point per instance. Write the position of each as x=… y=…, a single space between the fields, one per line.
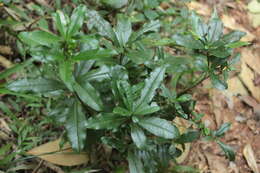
x=199 y=81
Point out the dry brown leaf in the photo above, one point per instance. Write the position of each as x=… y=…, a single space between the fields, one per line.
x=250 y=158
x=202 y=9
x=231 y=23
x=5 y=62
x=247 y=76
x=5 y=50
x=252 y=59
x=216 y=164
x=64 y=157
x=235 y=87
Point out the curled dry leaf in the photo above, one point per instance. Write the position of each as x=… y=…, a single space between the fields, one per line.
x=52 y=153
x=250 y=158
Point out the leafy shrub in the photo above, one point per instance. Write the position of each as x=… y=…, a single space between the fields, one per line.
x=110 y=79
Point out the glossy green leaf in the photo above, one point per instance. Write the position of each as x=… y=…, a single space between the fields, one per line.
x=138 y=136
x=96 y=75
x=76 y=21
x=148 y=27
x=65 y=72
x=187 y=137
x=227 y=150
x=151 y=84
x=94 y=54
x=237 y=44
x=36 y=38
x=121 y=111
x=184 y=98
x=199 y=27
x=89 y=95
x=105 y=121
x=224 y=127
x=217 y=83
x=126 y=93
x=135 y=164
x=159 y=127
x=115 y=3
x=215 y=28
x=147 y=109
x=39 y=85
x=61 y=22
x=27 y=96
x=75 y=126
x=233 y=36
x=188 y=41
x=123 y=30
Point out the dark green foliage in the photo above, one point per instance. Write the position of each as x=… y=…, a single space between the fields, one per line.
x=112 y=78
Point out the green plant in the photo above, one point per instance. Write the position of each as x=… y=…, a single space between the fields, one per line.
x=113 y=83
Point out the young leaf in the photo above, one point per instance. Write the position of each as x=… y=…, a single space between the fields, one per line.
x=94 y=54
x=40 y=85
x=224 y=127
x=138 y=136
x=227 y=150
x=61 y=22
x=151 y=84
x=89 y=95
x=105 y=121
x=123 y=30
x=36 y=38
x=147 y=109
x=215 y=28
x=159 y=127
x=76 y=20
x=135 y=163
x=65 y=72
x=75 y=126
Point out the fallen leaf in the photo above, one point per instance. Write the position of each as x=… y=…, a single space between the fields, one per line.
x=216 y=164
x=5 y=62
x=250 y=158
x=52 y=153
x=255 y=19
x=254 y=6
x=230 y=22
x=235 y=87
x=201 y=8
x=5 y=50
x=247 y=76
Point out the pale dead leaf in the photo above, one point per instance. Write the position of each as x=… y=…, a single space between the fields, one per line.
x=235 y=87
x=230 y=22
x=5 y=62
x=64 y=157
x=250 y=158
x=247 y=76
x=201 y=8
x=216 y=164
x=251 y=59
x=5 y=50
x=255 y=19
x=254 y=6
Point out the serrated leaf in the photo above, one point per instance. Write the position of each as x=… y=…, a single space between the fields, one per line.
x=94 y=54
x=61 y=22
x=36 y=38
x=89 y=95
x=135 y=164
x=75 y=126
x=187 y=137
x=147 y=109
x=227 y=150
x=123 y=30
x=138 y=136
x=151 y=84
x=105 y=121
x=224 y=127
x=40 y=85
x=159 y=127
x=76 y=20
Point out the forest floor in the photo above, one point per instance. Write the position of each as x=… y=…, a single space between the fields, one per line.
x=240 y=103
